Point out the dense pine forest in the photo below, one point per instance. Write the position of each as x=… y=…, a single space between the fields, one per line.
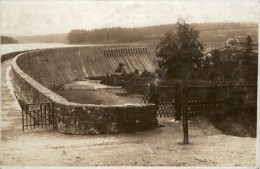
x=7 y=40
x=209 y=32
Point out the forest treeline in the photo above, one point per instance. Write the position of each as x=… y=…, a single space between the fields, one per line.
x=7 y=40
x=209 y=32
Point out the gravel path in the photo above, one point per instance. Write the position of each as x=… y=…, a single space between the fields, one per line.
x=160 y=146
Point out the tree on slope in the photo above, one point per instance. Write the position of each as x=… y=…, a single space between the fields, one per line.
x=215 y=69
x=180 y=53
x=249 y=61
x=180 y=56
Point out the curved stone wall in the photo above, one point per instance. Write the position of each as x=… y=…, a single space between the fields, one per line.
x=74 y=118
x=11 y=55
x=52 y=67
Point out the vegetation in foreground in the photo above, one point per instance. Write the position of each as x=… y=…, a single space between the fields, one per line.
x=133 y=83
x=238 y=121
x=180 y=57
x=181 y=54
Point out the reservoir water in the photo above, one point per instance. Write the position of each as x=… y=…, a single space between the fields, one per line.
x=7 y=48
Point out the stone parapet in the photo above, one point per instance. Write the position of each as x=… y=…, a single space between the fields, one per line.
x=75 y=118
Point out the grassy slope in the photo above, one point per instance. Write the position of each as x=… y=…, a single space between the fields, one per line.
x=99 y=96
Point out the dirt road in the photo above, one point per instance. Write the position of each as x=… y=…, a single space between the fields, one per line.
x=160 y=146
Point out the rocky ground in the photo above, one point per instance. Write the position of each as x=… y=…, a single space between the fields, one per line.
x=158 y=147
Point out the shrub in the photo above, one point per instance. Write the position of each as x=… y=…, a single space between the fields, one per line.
x=137 y=84
x=132 y=83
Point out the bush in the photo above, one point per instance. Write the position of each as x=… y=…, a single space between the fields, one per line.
x=137 y=84
x=132 y=83
x=113 y=80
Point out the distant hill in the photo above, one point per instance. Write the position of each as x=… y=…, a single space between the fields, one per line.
x=51 y=38
x=7 y=40
x=209 y=32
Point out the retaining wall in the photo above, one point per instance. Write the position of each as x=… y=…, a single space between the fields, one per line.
x=74 y=118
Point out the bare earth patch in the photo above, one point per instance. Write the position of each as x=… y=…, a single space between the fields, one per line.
x=94 y=94
x=158 y=147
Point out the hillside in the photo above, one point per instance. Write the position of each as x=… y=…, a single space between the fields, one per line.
x=209 y=32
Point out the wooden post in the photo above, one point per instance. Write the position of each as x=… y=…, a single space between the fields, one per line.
x=22 y=117
x=185 y=113
x=41 y=115
x=53 y=116
x=185 y=105
x=26 y=115
x=178 y=100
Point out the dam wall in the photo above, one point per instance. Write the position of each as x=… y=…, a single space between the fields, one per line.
x=30 y=69
x=11 y=55
x=52 y=67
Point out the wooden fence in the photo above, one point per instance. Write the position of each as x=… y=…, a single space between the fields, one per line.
x=201 y=95
x=185 y=99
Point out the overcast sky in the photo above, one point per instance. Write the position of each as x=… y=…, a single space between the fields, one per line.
x=48 y=16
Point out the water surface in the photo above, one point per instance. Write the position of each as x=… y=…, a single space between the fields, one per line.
x=7 y=48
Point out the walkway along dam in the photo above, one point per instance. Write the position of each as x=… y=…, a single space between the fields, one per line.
x=37 y=72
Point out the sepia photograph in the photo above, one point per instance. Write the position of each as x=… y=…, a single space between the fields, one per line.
x=129 y=83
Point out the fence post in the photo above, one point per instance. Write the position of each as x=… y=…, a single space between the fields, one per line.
x=185 y=112
x=23 y=117
x=178 y=100
x=54 y=124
